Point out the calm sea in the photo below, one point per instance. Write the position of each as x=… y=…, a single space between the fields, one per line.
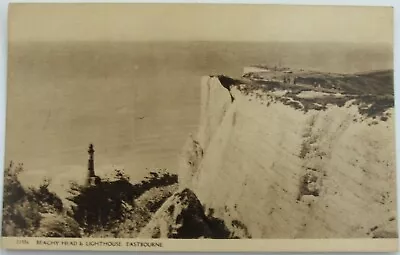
x=136 y=102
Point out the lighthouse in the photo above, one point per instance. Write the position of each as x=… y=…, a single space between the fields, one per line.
x=92 y=178
x=91 y=161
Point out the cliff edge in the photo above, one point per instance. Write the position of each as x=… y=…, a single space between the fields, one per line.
x=295 y=158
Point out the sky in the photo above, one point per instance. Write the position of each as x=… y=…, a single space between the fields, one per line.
x=199 y=22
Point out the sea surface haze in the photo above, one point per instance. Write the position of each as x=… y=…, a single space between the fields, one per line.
x=137 y=102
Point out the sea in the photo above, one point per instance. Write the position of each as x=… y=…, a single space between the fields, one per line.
x=137 y=102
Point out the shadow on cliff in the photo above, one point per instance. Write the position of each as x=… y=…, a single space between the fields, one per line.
x=186 y=219
x=109 y=208
x=104 y=208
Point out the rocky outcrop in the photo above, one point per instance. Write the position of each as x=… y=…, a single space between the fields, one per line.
x=182 y=216
x=262 y=162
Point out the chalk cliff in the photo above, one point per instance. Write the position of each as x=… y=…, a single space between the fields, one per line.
x=293 y=161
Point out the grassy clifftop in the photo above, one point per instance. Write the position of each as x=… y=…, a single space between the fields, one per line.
x=372 y=92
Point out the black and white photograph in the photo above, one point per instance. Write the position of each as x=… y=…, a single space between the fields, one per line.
x=200 y=121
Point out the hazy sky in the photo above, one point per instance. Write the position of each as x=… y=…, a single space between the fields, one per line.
x=217 y=22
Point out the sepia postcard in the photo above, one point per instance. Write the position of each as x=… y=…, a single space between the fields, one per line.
x=200 y=127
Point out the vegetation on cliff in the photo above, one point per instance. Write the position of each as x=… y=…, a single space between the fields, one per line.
x=112 y=207
x=33 y=211
x=105 y=208
x=372 y=92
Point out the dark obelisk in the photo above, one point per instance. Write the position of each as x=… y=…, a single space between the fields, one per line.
x=91 y=174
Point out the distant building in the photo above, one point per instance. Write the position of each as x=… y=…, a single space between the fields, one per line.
x=92 y=179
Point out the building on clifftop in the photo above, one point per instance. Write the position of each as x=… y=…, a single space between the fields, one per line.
x=92 y=179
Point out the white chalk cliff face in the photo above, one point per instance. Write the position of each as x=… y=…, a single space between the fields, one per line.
x=280 y=165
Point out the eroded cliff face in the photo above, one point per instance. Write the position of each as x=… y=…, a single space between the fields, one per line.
x=262 y=162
